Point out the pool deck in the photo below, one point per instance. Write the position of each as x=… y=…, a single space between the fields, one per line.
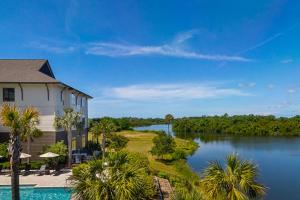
x=39 y=181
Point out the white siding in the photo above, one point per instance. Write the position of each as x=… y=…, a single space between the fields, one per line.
x=36 y=95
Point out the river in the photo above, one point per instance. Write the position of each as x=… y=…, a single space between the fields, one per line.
x=278 y=159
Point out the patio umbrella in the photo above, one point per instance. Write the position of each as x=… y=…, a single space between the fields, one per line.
x=49 y=155
x=24 y=155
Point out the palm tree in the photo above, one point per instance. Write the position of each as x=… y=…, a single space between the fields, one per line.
x=70 y=120
x=96 y=131
x=125 y=178
x=31 y=119
x=237 y=181
x=106 y=126
x=169 y=118
x=18 y=123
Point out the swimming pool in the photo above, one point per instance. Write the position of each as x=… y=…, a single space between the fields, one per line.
x=36 y=193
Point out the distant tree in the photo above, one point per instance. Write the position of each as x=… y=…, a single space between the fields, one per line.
x=237 y=181
x=69 y=121
x=117 y=142
x=169 y=118
x=96 y=131
x=107 y=126
x=17 y=122
x=163 y=144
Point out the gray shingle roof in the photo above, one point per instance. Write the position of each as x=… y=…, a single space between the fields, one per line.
x=24 y=71
x=28 y=71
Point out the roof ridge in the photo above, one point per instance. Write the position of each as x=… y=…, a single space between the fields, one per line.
x=23 y=59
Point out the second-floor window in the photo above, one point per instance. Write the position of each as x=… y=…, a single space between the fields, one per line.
x=9 y=94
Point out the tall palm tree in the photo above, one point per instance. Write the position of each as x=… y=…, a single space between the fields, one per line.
x=237 y=181
x=169 y=118
x=31 y=119
x=17 y=122
x=106 y=126
x=69 y=121
x=125 y=178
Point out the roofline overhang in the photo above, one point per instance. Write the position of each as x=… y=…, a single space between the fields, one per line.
x=58 y=83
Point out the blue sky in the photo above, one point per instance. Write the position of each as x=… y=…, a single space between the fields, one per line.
x=149 y=58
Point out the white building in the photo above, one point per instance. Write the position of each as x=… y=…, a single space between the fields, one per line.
x=32 y=83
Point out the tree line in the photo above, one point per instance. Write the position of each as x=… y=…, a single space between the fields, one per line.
x=239 y=125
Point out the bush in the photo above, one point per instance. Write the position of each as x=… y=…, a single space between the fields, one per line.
x=3 y=150
x=163 y=144
x=59 y=148
x=5 y=165
x=179 y=154
x=117 y=142
x=92 y=146
x=162 y=175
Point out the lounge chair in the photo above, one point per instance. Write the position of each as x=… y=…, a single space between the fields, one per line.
x=27 y=170
x=43 y=171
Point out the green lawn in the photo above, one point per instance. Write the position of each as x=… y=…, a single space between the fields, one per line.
x=142 y=142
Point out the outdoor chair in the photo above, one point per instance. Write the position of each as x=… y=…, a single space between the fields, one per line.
x=43 y=170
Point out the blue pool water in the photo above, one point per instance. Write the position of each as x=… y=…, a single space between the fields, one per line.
x=33 y=193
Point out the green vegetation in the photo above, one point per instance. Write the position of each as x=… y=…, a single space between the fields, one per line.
x=171 y=167
x=244 y=125
x=117 y=142
x=70 y=120
x=18 y=123
x=169 y=119
x=59 y=148
x=127 y=123
x=238 y=181
x=126 y=176
x=163 y=144
x=4 y=150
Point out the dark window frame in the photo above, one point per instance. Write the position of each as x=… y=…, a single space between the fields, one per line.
x=9 y=94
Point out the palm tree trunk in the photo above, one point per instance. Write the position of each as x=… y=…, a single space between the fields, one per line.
x=69 y=148
x=28 y=147
x=14 y=164
x=103 y=145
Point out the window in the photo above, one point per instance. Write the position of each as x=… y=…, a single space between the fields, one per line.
x=73 y=143
x=73 y=99
x=9 y=94
x=83 y=141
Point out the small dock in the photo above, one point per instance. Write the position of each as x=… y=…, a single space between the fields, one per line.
x=165 y=190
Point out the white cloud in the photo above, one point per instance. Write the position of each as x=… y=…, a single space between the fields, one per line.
x=286 y=61
x=54 y=48
x=291 y=91
x=172 y=91
x=174 y=49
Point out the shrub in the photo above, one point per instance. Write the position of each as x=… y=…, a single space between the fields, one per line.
x=163 y=144
x=179 y=154
x=117 y=142
x=162 y=175
x=3 y=150
x=92 y=146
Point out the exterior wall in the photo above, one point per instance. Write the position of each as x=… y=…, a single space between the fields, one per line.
x=36 y=95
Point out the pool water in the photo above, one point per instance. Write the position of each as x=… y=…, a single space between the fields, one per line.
x=34 y=193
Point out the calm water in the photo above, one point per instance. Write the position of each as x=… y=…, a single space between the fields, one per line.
x=278 y=159
x=31 y=193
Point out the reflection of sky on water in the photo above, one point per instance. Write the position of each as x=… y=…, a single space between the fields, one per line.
x=278 y=159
